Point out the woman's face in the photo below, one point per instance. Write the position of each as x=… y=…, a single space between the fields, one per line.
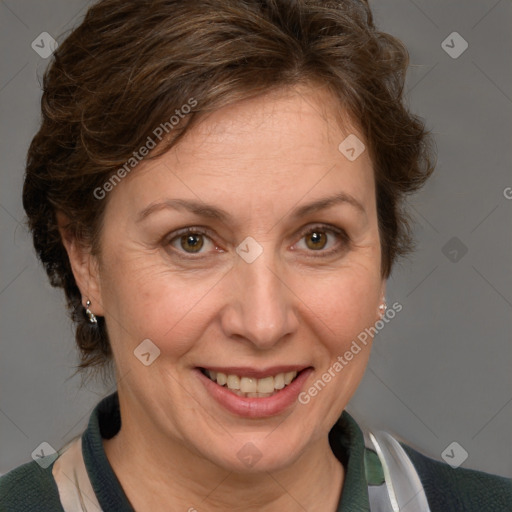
x=251 y=249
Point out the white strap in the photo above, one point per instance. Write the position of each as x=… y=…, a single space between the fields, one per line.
x=75 y=489
x=404 y=486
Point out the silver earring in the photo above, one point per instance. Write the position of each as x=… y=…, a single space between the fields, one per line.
x=90 y=314
x=382 y=307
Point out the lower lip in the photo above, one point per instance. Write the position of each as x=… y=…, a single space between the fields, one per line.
x=256 y=407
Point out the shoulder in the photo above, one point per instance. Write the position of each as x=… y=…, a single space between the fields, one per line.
x=460 y=489
x=29 y=488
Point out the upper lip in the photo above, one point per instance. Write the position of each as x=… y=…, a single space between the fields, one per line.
x=256 y=373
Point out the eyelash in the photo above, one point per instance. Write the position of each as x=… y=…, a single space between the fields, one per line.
x=340 y=233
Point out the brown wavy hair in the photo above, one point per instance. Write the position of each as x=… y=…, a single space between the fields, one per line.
x=131 y=63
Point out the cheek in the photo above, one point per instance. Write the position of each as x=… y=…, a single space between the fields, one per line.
x=339 y=310
x=343 y=305
x=144 y=301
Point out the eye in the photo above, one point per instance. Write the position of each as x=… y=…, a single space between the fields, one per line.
x=192 y=241
x=323 y=239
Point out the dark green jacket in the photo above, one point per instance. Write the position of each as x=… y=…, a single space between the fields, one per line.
x=30 y=488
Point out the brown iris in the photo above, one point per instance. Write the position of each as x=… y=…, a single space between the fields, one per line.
x=316 y=240
x=192 y=242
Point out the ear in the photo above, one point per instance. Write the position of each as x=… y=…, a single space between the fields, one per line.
x=85 y=266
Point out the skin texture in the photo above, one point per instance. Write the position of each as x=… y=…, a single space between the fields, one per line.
x=259 y=160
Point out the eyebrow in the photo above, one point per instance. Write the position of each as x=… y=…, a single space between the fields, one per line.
x=204 y=210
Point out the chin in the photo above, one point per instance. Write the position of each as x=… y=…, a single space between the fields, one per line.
x=265 y=452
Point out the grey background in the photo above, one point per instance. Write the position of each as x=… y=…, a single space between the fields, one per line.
x=440 y=370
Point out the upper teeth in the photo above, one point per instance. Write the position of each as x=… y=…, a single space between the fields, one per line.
x=250 y=384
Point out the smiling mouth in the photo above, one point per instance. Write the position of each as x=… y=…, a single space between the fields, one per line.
x=250 y=387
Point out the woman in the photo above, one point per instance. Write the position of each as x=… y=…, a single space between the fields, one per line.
x=218 y=187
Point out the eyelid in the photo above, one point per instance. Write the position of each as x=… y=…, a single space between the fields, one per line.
x=323 y=227
x=189 y=229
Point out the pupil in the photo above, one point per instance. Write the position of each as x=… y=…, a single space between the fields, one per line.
x=192 y=243
x=317 y=240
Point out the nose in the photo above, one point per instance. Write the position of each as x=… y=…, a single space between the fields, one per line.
x=260 y=307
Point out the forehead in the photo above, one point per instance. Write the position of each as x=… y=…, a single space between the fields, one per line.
x=292 y=124
x=281 y=146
